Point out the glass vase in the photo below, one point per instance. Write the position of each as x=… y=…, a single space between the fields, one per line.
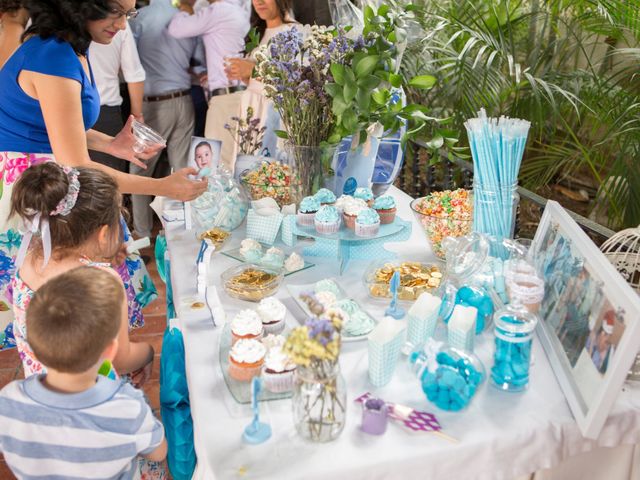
x=319 y=403
x=307 y=166
x=494 y=209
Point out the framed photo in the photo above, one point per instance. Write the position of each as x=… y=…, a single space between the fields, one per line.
x=203 y=153
x=590 y=324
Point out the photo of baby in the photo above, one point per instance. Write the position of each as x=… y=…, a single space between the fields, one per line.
x=204 y=153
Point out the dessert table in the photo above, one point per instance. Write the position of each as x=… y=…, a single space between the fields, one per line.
x=499 y=436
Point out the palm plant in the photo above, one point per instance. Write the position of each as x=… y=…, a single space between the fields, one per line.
x=568 y=66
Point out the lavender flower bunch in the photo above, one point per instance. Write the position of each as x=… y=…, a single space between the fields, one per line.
x=247 y=133
x=295 y=71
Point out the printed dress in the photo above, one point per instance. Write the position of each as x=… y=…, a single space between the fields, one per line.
x=139 y=287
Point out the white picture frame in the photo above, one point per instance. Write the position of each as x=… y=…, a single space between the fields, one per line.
x=204 y=152
x=590 y=318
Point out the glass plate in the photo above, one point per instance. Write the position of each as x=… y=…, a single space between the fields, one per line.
x=241 y=391
x=235 y=254
x=296 y=290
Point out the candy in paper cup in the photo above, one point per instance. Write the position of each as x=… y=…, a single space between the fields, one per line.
x=263 y=228
x=385 y=342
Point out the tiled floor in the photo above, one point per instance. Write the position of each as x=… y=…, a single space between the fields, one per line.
x=155 y=322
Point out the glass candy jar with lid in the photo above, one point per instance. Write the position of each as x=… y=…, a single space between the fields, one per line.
x=471 y=278
x=524 y=282
x=449 y=377
x=514 y=327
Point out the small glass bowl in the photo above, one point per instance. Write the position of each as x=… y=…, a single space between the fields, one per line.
x=145 y=137
x=438 y=228
x=415 y=279
x=251 y=282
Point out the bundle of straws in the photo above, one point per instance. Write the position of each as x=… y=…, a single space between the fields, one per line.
x=497 y=147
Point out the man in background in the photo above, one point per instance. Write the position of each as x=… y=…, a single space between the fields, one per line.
x=167 y=105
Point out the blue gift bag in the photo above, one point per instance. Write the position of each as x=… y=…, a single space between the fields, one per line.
x=175 y=406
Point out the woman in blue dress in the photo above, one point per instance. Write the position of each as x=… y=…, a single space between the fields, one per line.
x=48 y=104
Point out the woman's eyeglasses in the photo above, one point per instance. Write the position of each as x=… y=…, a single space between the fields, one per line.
x=117 y=13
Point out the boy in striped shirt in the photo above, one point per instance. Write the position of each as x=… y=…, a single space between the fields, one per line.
x=71 y=423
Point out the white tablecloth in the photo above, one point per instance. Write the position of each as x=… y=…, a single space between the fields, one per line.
x=501 y=435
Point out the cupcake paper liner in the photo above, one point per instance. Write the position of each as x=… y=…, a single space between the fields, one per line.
x=305 y=219
x=387 y=216
x=244 y=373
x=327 y=228
x=273 y=328
x=349 y=221
x=235 y=338
x=367 y=230
x=278 y=382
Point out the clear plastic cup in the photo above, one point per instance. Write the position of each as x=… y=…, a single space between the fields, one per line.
x=145 y=137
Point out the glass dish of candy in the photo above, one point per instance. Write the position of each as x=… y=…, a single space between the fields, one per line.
x=272 y=179
x=415 y=278
x=444 y=214
x=251 y=282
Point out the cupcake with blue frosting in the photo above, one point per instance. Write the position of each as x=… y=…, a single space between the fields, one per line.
x=327 y=220
x=307 y=210
x=367 y=223
x=364 y=194
x=386 y=208
x=325 y=196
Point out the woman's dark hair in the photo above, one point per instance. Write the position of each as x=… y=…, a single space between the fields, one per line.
x=41 y=188
x=65 y=20
x=284 y=7
x=10 y=5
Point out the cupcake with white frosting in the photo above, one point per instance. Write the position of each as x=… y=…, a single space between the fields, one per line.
x=272 y=313
x=246 y=325
x=246 y=359
x=277 y=371
x=350 y=210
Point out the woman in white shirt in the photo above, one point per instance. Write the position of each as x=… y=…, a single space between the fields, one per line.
x=268 y=17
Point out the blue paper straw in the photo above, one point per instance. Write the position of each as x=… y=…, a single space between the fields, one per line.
x=497 y=147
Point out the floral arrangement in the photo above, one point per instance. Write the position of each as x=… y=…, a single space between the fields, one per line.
x=316 y=344
x=331 y=85
x=247 y=133
x=295 y=70
x=319 y=400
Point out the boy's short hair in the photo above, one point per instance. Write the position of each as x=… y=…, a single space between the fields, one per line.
x=72 y=318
